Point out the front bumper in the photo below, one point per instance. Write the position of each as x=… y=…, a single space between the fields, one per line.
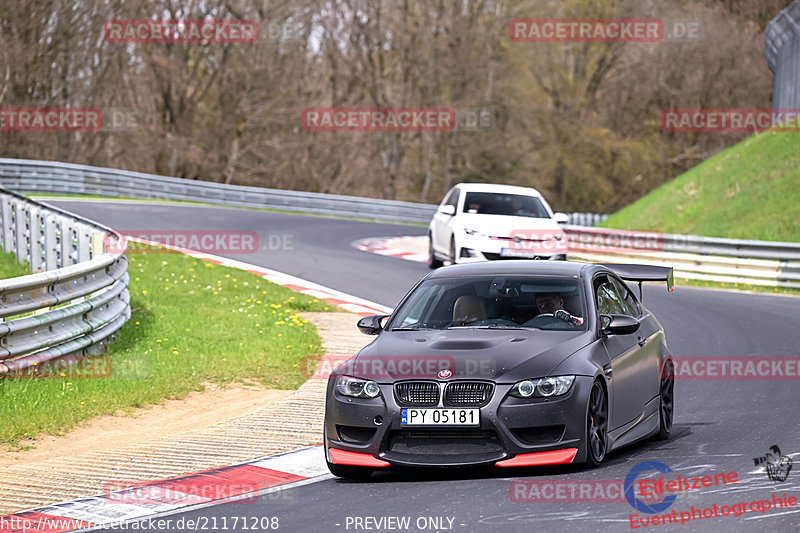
x=509 y=429
x=481 y=248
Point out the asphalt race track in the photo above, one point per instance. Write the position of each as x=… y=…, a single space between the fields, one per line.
x=720 y=425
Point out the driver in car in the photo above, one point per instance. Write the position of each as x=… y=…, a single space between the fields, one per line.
x=551 y=303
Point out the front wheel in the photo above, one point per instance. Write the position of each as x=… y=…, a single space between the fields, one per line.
x=596 y=426
x=349 y=471
x=432 y=261
x=452 y=251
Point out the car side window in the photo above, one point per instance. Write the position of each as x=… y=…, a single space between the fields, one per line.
x=609 y=301
x=632 y=306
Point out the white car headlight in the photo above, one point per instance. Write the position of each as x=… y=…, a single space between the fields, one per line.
x=474 y=232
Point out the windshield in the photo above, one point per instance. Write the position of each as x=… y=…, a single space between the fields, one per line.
x=493 y=302
x=518 y=205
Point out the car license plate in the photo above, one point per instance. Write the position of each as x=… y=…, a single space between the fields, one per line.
x=440 y=417
x=513 y=252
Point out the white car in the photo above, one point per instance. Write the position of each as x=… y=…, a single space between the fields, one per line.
x=482 y=222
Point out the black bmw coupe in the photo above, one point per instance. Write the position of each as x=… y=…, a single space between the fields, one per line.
x=508 y=364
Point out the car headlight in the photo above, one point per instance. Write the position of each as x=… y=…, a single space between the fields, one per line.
x=542 y=388
x=357 y=387
x=474 y=232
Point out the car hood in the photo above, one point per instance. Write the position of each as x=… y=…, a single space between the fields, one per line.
x=504 y=356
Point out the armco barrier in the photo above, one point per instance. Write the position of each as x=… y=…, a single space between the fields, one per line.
x=24 y=175
x=766 y=263
x=78 y=294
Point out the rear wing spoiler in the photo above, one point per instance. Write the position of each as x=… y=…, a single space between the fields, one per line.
x=641 y=273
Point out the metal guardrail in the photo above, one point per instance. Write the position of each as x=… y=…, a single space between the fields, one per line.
x=52 y=177
x=78 y=295
x=585 y=219
x=767 y=263
x=709 y=258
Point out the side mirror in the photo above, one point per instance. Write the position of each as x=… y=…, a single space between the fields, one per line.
x=561 y=218
x=371 y=325
x=618 y=324
x=448 y=210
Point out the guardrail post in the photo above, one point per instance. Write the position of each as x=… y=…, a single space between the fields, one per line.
x=35 y=238
x=7 y=206
x=20 y=232
x=84 y=242
x=67 y=244
x=51 y=253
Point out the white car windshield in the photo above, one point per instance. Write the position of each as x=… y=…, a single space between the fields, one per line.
x=491 y=203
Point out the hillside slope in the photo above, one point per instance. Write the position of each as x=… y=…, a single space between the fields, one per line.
x=749 y=191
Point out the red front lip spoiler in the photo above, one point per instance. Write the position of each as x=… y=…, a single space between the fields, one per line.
x=342 y=457
x=555 y=457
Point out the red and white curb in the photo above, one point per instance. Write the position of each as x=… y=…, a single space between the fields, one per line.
x=240 y=483
x=340 y=299
x=402 y=247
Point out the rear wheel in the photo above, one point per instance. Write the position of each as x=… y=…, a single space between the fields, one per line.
x=432 y=261
x=666 y=401
x=349 y=471
x=596 y=426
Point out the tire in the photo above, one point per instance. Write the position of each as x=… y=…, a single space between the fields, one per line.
x=432 y=261
x=666 y=401
x=349 y=471
x=452 y=251
x=596 y=426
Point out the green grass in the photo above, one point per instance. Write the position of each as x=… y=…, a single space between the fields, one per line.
x=192 y=323
x=736 y=286
x=749 y=191
x=9 y=268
